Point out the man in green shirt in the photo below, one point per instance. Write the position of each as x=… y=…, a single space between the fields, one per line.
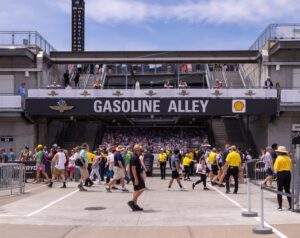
x=40 y=166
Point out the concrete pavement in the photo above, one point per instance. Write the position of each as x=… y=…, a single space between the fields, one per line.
x=191 y=213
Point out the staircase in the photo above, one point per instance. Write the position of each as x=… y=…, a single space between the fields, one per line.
x=219 y=132
x=234 y=79
x=77 y=133
x=219 y=76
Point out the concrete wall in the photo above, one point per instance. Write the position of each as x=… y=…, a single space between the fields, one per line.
x=22 y=132
x=284 y=76
x=259 y=129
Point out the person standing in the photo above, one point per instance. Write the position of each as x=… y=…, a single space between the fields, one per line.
x=175 y=167
x=76 y=79
x=162 y=158
x=59 y=161
x=233 y=162
x=67 y=78
x=283 y=167
x=136 y=177
x=11 y=155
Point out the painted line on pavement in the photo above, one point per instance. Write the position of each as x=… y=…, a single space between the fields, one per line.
x=51 y=204
x=277 y=232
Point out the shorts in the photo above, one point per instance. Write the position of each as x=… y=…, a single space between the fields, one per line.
x=140 y=186
x=270 y=172
x=83 y=172
x=214 y=169
x=40 y=167
x=175 y=175
x=110 y=174
x=118 y=173
x=71 y=169
x=58 y=172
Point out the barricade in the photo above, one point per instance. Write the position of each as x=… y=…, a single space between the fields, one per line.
x=12 y=177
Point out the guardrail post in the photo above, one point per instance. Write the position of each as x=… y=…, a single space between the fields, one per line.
x=249 y=213
x=262 y=229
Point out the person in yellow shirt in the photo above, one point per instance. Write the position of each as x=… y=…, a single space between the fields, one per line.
x=186 y=165
x=213 y=164
x=283 y=167
x=162 y=159
x=192 y=165
x=233 y=162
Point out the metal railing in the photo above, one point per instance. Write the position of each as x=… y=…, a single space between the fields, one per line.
x=209 y=78
x=12 y=177
x=25 y=39
x=275 y=32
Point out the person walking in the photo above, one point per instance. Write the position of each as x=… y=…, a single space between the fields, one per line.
x=76 y=79
x=268 y=160
x=67 y=78
x=59 y=161
x=201 y=170
x=283 y=167
x=175 y=167
x=233 y=162
x=136 y=177
x=82 y=163
x=162 y=159
x=119 y=170
x=40 y=164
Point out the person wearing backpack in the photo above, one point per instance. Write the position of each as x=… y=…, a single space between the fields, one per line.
x=40 y=164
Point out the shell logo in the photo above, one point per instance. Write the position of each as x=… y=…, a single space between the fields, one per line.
x=239 y=106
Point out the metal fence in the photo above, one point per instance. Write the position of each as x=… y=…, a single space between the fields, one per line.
x=12 y=178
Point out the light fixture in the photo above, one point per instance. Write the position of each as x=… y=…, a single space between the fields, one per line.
x=114 y=121
x=26 y=74
x=278 y=67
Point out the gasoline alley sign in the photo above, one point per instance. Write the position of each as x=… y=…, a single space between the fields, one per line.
x=144 y=106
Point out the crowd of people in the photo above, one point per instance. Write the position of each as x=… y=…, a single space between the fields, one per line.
x=156 y=138
x=111 y=165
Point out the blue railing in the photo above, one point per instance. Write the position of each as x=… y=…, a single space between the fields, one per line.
x=25 y=39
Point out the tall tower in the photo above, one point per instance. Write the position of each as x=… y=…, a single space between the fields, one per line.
x=78 y=25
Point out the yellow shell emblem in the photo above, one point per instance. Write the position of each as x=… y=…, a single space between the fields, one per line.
x=239 y=106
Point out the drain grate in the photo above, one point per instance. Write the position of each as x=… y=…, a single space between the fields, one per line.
x=95 y=208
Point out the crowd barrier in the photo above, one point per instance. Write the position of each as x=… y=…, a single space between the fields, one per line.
x=12 y=177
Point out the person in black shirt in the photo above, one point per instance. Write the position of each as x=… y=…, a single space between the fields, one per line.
x=136 y=177
x=76 y=79
x=67 y=78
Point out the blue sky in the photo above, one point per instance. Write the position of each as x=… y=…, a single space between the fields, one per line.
x=152 y=24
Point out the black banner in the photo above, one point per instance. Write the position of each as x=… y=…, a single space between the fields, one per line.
x=30 y=169
x=142 y=106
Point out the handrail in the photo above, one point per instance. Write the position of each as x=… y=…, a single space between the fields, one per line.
x=208 y=76
x=103 y=75
x=225 y=76
x=87 y=77
x=245 y=78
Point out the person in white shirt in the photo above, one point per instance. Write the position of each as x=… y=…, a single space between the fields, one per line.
x=201 y=170
x=59 y=161
x=110 y=162
x=268 y=160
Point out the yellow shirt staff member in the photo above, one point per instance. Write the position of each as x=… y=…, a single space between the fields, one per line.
x=233 y=161
x=162 y=158
x=283 y=166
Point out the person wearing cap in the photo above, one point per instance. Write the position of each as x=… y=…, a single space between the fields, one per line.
x=233 y=162
x=26 y=154
x=283 y=167
x=136 y=177
x=59 y=161
x=119 y=170
x=162 y=158
x=40 y=164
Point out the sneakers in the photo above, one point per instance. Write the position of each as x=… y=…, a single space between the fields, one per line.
x=182 y=189
x=125 y=190
x=137 y=208
x=205 y=188
x=131 y=205
x=279 y=208
x=193 y=186
x=221 y=185
x=114 y=188
x=90 y=184
x=64 y=185
x=227 y=191
x=235 y=192
x=50 y=185
x=107 y=189
x=81 y=188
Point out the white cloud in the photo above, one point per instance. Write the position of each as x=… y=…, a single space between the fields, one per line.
x=212 y=11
